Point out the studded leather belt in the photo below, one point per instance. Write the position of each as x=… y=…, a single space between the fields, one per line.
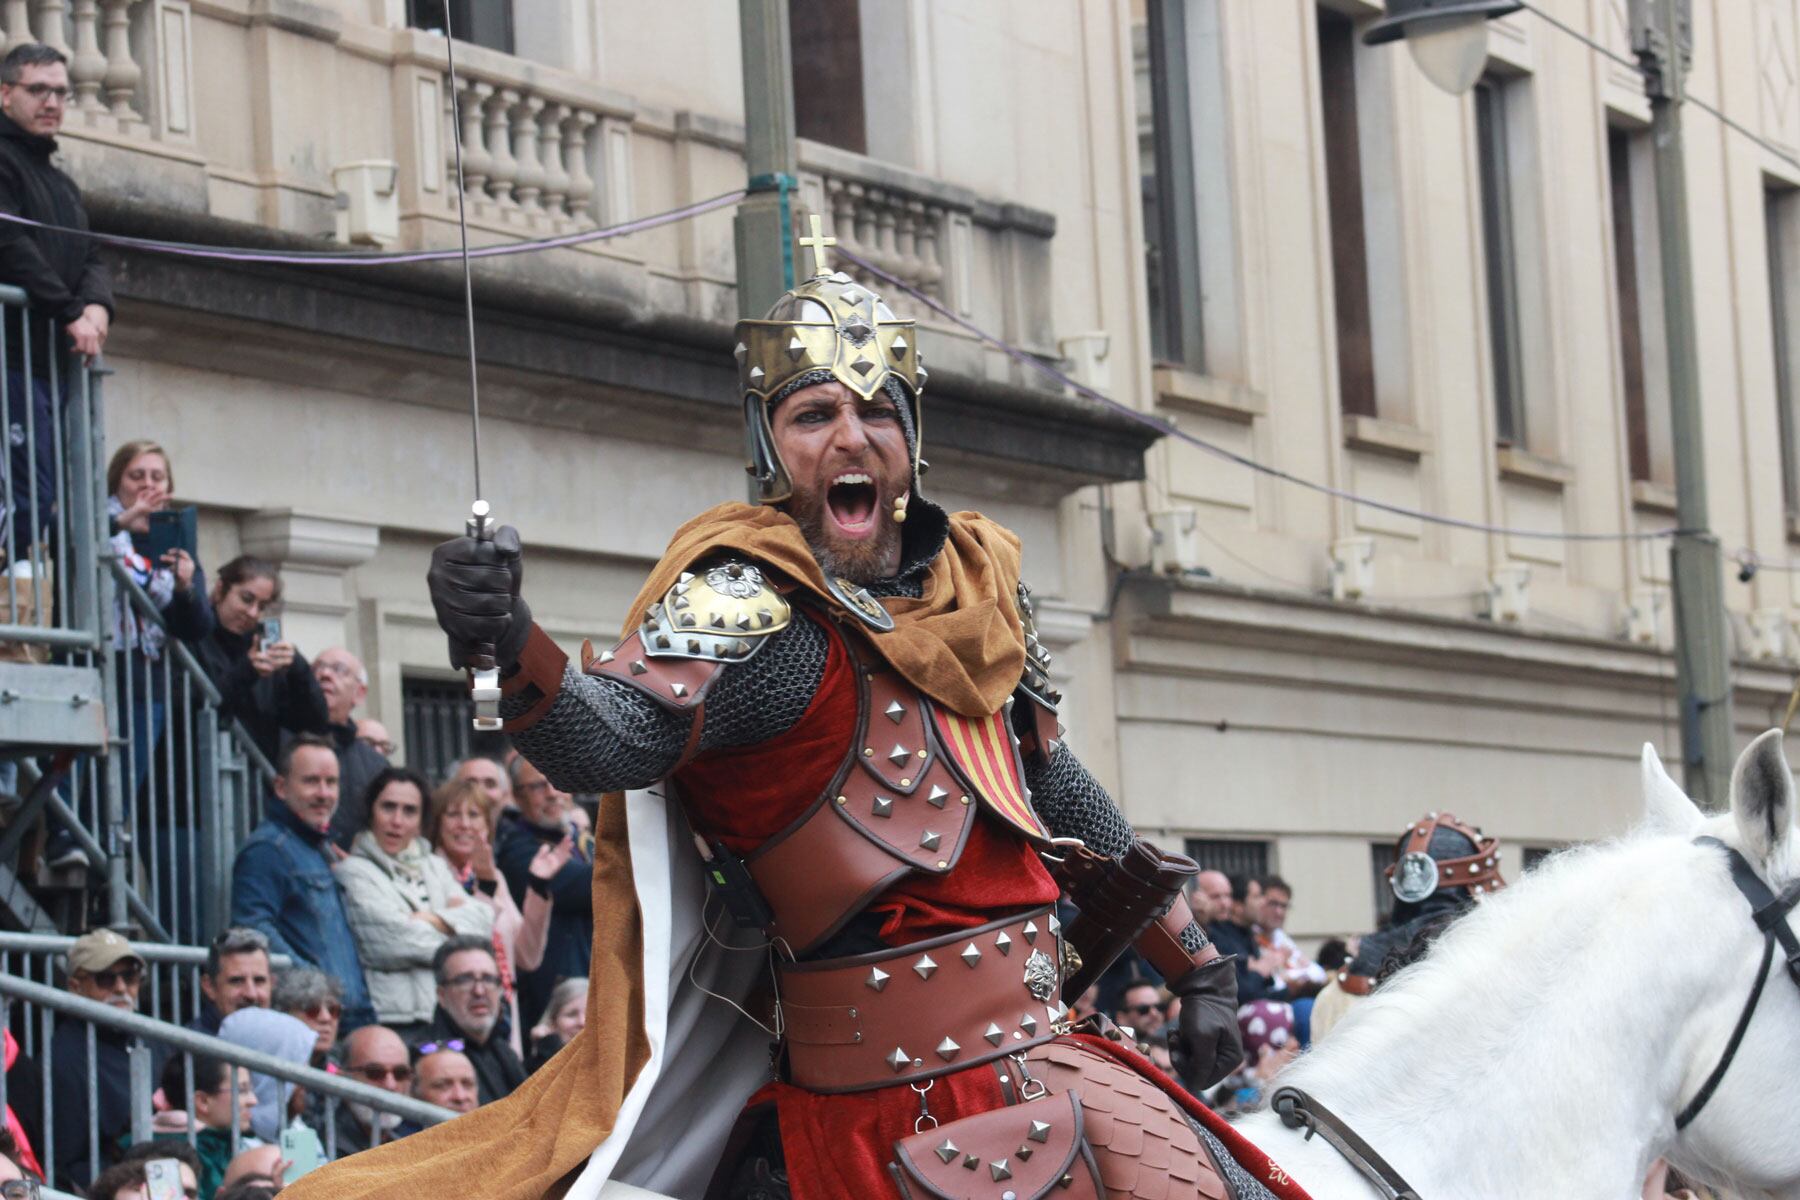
x=874 y=1020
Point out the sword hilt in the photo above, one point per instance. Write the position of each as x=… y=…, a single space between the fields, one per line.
x=484 y=671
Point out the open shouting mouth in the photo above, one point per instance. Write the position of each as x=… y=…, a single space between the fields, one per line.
x=853 y=502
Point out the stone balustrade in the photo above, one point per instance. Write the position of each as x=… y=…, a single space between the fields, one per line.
x=529 y=156
x=104 y=78
x=901 y=234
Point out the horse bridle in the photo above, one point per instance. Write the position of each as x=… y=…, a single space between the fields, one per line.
x=1301 y=1111
x=1770 y=913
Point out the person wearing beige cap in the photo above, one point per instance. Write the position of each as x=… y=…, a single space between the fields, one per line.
x=103 y=967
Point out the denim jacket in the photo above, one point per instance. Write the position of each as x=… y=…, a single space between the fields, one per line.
x=282 y=885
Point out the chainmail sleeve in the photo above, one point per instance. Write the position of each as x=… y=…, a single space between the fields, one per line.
x=601 y=735
x=1072 y=804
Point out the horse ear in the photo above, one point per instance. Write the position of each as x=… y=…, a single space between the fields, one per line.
x=1667 y=808
x=1762 y=798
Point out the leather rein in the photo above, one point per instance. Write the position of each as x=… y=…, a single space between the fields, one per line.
x=1301 y=1111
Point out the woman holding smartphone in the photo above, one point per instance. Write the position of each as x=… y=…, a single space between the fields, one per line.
x=263 y=681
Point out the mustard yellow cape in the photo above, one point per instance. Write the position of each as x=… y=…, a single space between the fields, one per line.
x=960 y=643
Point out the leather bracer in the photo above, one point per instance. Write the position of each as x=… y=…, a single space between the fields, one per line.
x=1119 y=901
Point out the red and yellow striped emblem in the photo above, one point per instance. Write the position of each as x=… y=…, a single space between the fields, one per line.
x=984 y=751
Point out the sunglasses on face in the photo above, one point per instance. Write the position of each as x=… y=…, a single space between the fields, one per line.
x=108 y=979
x=426 y=1049
x=323 y=1010
x=376 y=1072
x=1142 y=1010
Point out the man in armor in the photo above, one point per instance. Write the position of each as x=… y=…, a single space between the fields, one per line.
x=842 y=692
x=1441 y=867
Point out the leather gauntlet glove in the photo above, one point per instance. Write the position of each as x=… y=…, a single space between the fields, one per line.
x=475 y=590
x=1208 y=1022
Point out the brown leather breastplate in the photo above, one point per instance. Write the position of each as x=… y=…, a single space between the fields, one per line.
x=902 y=802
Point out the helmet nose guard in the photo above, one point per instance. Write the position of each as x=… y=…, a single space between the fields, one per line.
x=830 y=323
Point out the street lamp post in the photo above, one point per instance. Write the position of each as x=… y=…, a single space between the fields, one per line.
x=1449 y=40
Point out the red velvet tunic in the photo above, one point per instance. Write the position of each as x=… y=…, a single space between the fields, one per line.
x=840 y=1145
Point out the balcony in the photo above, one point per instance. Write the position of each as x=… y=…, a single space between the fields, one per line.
x=232 y=121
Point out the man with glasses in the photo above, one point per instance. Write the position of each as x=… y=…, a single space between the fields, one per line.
x=542 y=818
x=103 y=968
x=344 y=683
x=468 y=1010
x=374 y=1055
x=62 y=275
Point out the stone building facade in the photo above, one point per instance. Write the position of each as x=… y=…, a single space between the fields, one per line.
x=1227 y=213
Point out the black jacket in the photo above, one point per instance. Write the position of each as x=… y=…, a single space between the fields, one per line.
x=358 y=763
x=1241 y=941
x=267 y=705
x=69 y=1106
x=61 y=273
x=497 y=1069
x=569 y=945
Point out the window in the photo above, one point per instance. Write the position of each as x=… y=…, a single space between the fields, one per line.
x=437 y=719
x=825 y=37
x=1637 y=261
x=1500 y=250
x=1631 y=327
x=1344 y=193
x=479 y=22
x=1166 y=166
x=1781 y=212
x=1250 y=859
x=1381 y=857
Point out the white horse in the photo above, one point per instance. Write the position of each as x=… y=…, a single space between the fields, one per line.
x=1546 y=1043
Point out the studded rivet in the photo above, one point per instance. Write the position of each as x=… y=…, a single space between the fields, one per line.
x=898 y=754
x=1003 y=943
x=1055 y=926
x=868 y=751
x=899 y=1060
x=942 y=864
x=688 y=621
x=906 y=783
x=741 y=352
x=877 y=979
x=930 y=840
x=693 y=645
x=1028 y=1023
x=883 y=806
x=937 y=797
x=766 y=617
x=1023 y=1153
x=843 y=799
x=1040 y=1131
x=662 y=641
x=796 y=349
x=717 y=621
x=971 y=1162
x=921 y=754
x=971 y=954
x=638 y=667
x=925 y=968
x=678 y=690
x=895 y=712
x=1000 y=1170
x=1030 y=931
x=686 y=577
x=964 y=799
x=606 y=656
x=682 y=602
x=994 y=1034
x=899 y=346
x=947 y=1152
x=743 y=621
x=948 y=1049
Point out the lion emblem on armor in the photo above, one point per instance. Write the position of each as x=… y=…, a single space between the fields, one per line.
x=1040 y=976
x=740 y=581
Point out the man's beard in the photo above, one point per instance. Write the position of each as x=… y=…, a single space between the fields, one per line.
x=861 y=562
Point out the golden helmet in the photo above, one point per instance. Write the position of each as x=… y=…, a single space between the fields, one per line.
x=828 y=323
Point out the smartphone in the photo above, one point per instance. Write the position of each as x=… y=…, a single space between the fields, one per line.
x=271 y=632
x=303 y=1151
x=162 y=1179
x=173 y=529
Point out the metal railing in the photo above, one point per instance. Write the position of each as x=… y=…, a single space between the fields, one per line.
x=171 y=986
x=45 y=1005
x=110 y=730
